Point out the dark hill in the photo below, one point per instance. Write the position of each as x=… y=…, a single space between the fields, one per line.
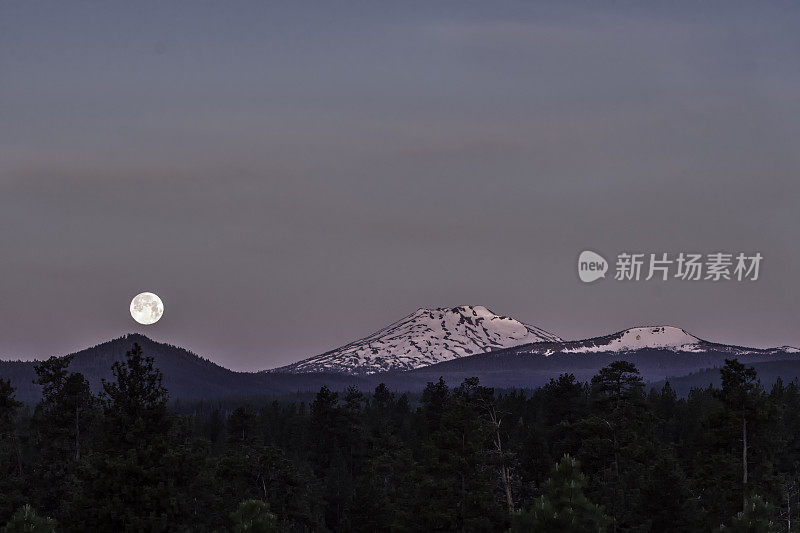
x=186 y=375
x=517 y=368
x=768 y=374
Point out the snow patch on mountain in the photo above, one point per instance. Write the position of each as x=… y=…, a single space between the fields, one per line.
x=666 y=337
x=426 y=337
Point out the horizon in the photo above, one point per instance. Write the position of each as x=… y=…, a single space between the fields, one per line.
x=211 y=358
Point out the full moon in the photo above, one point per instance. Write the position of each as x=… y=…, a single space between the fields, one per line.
x=146 y=308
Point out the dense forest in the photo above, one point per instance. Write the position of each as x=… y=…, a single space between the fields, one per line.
x=607 y=455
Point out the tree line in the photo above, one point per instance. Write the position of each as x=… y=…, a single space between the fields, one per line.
x=605 y=455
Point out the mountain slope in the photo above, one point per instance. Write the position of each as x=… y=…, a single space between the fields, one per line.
x=669 y=338
x=425 y=337
x=186 y=375
x=659 y=352
x=787 y=370
x=517 y=368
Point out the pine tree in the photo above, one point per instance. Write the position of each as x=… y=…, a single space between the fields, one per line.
x=144 y=474
x=757 y=517
x=330 y=447
x=254 y=516
x=563 y=506
x=214 y=428
x=59 y=432
x=352 y=436
x=242 y=426
x=667 y=502
x=11 y=468
x=456 y=480
x=564 y=400
x=26 y=520
x=434 y=400
x=612 y=449
x=551 y=431
x=382 y=491
x=253 y=471
x=741 y=395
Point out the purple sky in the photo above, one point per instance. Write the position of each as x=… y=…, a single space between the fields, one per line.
x=291 y=178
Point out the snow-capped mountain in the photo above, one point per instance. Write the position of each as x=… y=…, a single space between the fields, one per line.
x=668 y=337
x=632 y=340
x=432 y=336
x=425 y=337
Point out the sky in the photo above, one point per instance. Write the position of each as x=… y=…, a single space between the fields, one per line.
x=291 y=176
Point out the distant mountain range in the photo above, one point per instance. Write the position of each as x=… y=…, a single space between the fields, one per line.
x=432 y=336
x=453 y=343
x=668 y=338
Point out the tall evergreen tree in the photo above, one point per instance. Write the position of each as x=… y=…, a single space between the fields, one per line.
x=330 y=448
x=262 y=473
x=382 y=490
x=757 y=517
x=667 y=502
x=11 y=468
x=254 y=516
x=563 y=506
x=242 y=426
x=59 y=432
x=27 y=520
x=144 y=470
x=741 y=394
x=612 y=447
x=456 y=481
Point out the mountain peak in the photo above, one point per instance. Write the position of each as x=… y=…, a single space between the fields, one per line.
x=135 y=337
x=476 y=311
x=425 y=337
x=666 y=337
x=656 y=337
